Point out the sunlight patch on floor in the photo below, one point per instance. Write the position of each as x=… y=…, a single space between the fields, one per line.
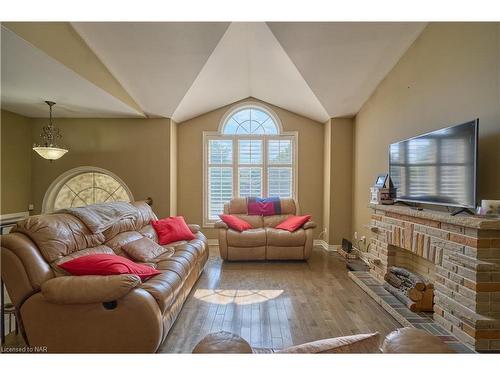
x=236 y=296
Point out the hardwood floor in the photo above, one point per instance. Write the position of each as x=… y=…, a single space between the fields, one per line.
x=276 y=304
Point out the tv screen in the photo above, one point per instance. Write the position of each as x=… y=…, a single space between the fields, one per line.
x=437 y=167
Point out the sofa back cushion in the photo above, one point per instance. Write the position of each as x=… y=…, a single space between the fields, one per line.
x=58 y=235
x=272 y=221
x=61 y=234
x=238 y=206
x=253 y=220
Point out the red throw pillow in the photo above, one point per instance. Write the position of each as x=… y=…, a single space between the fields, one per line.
x=107 y=264
x=171 y=229
x=236 y=223
x=293 y=223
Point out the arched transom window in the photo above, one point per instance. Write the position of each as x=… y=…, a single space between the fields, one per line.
x=250 y=121
x=250 y=156
x=84 y=186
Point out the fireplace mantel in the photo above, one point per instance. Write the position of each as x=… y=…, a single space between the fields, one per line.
x=464 y=220
x=459 y=254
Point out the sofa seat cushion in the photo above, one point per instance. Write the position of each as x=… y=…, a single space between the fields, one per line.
x=249 y=238
x=174 y=272
x=164 y=288
x=279 y=237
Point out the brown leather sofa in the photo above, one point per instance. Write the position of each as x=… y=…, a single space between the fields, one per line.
x=99 y=314
x=264 y=241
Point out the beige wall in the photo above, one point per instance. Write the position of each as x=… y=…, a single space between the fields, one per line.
x=173 y=168
x=190 y=163
x=137 y=150
x=327 y=150
x=16 y=152
x=451 y=74
x=341 y=173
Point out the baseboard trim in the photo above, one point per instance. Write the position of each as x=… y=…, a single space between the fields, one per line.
x=323 y=244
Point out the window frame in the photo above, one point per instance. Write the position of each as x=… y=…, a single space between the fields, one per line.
x=218 y=135
x=52 y=192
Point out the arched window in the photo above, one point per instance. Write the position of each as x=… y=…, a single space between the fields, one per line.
x=250 y=120
x=83 y=186
x=250 y=155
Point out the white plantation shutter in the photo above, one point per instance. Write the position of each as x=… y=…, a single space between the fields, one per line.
x=250 y=164
x=220 y=151
x=280 y=182
x=221 y=189
x=280 y=172
x=220 y=175
x=250 y=151
x=280 y=151
x=250 y=181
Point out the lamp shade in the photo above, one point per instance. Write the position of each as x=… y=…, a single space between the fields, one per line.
x=50 y=153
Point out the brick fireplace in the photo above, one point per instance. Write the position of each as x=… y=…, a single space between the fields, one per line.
x=460 y=255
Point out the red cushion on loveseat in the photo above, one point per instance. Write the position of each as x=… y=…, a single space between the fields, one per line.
x=172 y=229
x=293 y=223
x=107 y=264
x=236 y=223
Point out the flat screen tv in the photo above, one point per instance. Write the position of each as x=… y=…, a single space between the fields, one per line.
x=438 y=167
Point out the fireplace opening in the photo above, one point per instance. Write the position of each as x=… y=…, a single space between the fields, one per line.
x=410 y=278
x=411 y=289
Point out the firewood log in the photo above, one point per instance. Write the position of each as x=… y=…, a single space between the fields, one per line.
x=416 y=281
x=400 y=296
x=415 y=295
x=393 y=280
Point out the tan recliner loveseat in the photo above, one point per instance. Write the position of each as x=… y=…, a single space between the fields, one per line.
x=263 y=241
x=98 y=314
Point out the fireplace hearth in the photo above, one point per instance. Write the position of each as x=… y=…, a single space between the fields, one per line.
x=459 y=256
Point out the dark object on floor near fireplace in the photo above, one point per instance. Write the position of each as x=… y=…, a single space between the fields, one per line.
x=346 y=245
x=356 y=265
x=409 y=288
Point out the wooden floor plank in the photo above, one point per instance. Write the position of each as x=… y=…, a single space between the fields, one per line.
x=276 y=304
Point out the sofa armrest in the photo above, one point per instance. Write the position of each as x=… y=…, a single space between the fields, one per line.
x=195 y=228
x=88 y=289
x=309 y=224
x=221 y=225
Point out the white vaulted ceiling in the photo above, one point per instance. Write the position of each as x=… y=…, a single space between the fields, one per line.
x=155 y=62
x=344 y=62
x=249 y=61
x=29 y=77
x=181 y=70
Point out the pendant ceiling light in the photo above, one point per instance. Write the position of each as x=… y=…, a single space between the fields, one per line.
x=48 y=148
